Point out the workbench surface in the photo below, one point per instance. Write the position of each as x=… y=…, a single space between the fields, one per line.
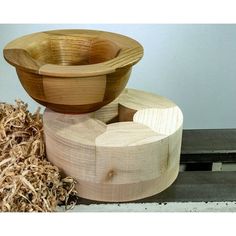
x=193 y=190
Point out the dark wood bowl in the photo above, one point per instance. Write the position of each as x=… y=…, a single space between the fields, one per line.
x=73 y=71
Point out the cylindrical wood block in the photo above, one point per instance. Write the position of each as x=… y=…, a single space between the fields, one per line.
x=127 y=150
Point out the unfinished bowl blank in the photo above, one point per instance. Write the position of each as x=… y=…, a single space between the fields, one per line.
x=127 y=150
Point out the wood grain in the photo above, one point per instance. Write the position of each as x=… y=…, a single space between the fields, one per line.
x=73 y=71
x=120 y=161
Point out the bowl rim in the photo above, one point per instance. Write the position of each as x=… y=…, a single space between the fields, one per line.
x=130 y=53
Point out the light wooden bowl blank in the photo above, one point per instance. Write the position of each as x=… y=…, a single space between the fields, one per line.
x=73 y=71
x=127 y=150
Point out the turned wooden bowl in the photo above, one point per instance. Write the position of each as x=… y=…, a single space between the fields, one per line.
x=73 y=71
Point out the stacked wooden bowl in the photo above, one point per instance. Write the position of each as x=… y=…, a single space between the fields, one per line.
x=73 y=71
x=119 y=144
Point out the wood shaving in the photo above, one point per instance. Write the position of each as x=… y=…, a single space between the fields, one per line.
x=28 y=181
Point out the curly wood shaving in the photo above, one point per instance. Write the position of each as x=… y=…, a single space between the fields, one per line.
x=28 y=181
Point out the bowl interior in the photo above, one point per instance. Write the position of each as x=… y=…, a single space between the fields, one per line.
x=73 y=50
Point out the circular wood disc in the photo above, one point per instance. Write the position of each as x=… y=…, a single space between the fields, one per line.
x=127 y=150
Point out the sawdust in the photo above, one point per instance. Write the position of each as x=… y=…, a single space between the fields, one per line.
x=28 y=181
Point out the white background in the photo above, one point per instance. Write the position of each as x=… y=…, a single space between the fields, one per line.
x=194 y=65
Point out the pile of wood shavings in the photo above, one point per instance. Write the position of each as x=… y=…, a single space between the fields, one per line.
x=28 y=182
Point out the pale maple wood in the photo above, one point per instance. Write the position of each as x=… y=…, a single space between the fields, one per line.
x=127 y=150
x=73 y=71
